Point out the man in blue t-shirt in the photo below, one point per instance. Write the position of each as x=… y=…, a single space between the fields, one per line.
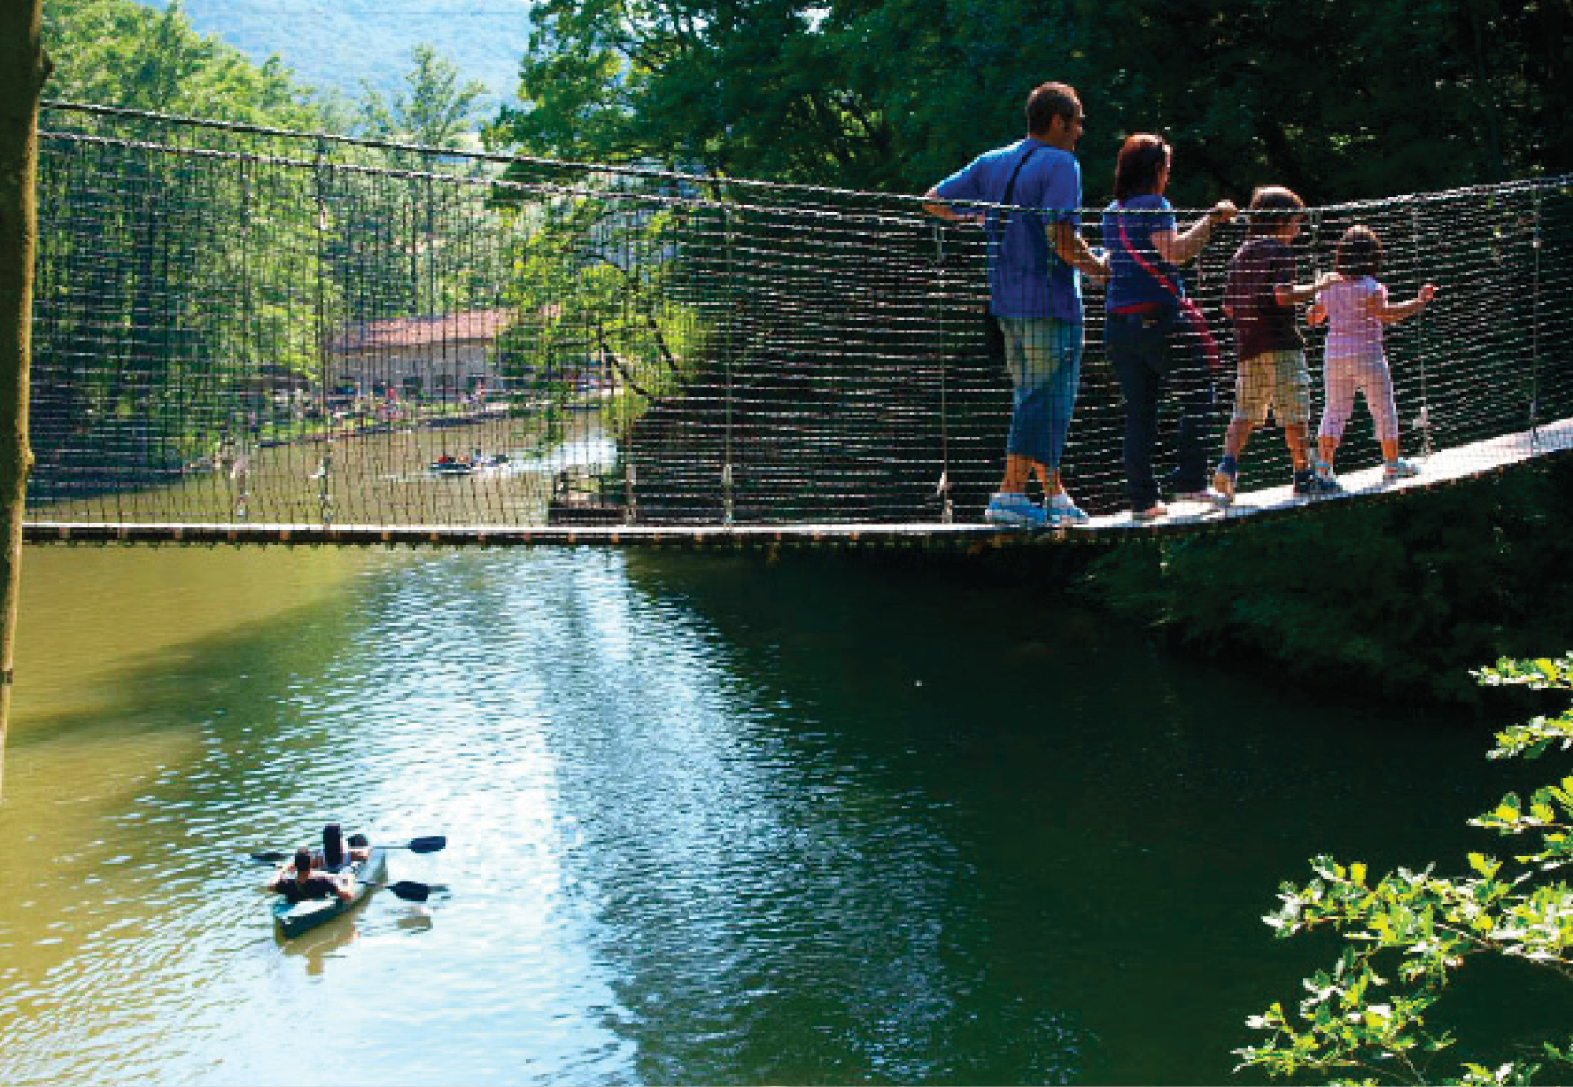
x=1034 y=264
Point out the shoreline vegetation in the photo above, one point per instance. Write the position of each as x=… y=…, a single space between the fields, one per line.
x=1399 y=599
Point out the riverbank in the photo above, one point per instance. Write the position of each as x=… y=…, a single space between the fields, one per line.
x=1397 y=600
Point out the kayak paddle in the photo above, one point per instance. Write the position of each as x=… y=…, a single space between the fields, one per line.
x=415 y=845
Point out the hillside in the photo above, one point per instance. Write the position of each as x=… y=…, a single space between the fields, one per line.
x=332 y=45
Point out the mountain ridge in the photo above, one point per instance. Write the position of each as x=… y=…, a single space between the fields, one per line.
x=332 y=46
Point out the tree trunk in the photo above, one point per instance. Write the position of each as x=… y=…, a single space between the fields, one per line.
x=22 y=72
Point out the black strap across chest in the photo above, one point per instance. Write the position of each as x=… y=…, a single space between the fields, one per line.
x=1010 y=186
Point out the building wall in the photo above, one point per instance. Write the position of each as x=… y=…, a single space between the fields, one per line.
x=430 y=370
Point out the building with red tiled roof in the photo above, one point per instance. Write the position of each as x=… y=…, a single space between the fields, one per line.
x=447 y=355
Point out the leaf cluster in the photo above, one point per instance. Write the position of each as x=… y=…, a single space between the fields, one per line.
x=1406 y=935
x=892 y=95
x=433 y=109
x=122 y=53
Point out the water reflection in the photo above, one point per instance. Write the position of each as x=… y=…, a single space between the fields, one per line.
x=708 y=821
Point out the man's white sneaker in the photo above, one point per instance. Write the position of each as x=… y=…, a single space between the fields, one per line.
x=1014 y=511
x=1061 y=508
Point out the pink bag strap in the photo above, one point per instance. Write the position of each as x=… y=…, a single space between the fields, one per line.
x=1141 y=261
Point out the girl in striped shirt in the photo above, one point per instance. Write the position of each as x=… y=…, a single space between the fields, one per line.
x=1355 y=307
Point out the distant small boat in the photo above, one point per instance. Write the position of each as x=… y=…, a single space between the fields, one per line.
x=454 y=466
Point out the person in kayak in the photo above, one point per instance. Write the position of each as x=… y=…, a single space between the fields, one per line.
x=299 y=883
x=334 y=854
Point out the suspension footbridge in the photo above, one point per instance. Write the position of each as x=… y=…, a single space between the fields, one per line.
x=249 y=335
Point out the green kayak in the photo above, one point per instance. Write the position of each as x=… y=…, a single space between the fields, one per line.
x=294 y=918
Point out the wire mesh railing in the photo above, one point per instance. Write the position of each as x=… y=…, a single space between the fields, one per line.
x=239 y=325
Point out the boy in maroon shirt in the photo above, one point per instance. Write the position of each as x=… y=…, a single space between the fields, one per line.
x=1260 y=300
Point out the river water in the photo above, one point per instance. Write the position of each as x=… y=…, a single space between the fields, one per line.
x=711 y=819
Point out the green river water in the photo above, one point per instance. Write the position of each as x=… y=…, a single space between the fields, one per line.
x=711 y=820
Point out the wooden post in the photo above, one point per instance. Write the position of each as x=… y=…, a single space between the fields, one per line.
x=22 y=73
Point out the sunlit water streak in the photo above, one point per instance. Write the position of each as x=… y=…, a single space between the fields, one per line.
x=709 y=821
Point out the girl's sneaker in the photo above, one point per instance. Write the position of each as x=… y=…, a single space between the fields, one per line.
x=1399 y=469
x=1308 y=483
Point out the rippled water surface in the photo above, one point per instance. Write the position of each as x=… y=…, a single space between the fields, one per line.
x=711 y=820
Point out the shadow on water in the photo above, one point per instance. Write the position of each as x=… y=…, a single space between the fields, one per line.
x=1115 y=820
x=711 y=819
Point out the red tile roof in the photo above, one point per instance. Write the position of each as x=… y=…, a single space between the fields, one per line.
x=469 y=326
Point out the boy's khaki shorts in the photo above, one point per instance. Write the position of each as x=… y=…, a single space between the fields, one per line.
x=1275 y=381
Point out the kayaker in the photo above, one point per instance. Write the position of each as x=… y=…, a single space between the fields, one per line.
x=299 y=884
x=334 y=855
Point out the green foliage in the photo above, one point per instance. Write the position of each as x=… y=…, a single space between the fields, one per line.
x=894 y=94
x=162 y=256
x=433 y=110
x=121 y=53
x=600 y=277
x=224 y=251
x=1397 y=596
x=1407 y=935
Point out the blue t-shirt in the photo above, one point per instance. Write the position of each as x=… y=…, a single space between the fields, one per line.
x=1026 y=277
x=1129 y=283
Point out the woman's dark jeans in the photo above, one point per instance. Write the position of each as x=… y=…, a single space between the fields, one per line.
x=1150 y=354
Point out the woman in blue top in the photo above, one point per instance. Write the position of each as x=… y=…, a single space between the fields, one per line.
x=1146 y=343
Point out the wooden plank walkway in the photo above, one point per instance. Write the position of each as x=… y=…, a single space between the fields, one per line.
x=1443 y=468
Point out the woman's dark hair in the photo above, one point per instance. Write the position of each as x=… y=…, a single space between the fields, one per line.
x=1272 y=206
x=1136 y=170
x=302 y=860
x=1048 y=101
x=1359 y=252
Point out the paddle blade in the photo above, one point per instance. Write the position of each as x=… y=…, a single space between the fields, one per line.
x=410 y=891
x=271 y=858
x=427 y=845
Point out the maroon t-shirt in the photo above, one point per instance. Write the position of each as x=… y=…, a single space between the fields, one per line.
x=1256 y=271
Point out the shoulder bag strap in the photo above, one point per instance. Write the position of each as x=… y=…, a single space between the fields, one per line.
x=1010 y=186
x=1187 y=309
x=1141 y=261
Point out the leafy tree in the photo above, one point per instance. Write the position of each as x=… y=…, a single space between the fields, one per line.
x=183 y=242
x=434 y=112
x=1407 y=935
x=893 y=94
x=601 y=281
x=843 y=93
x=121 y=53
